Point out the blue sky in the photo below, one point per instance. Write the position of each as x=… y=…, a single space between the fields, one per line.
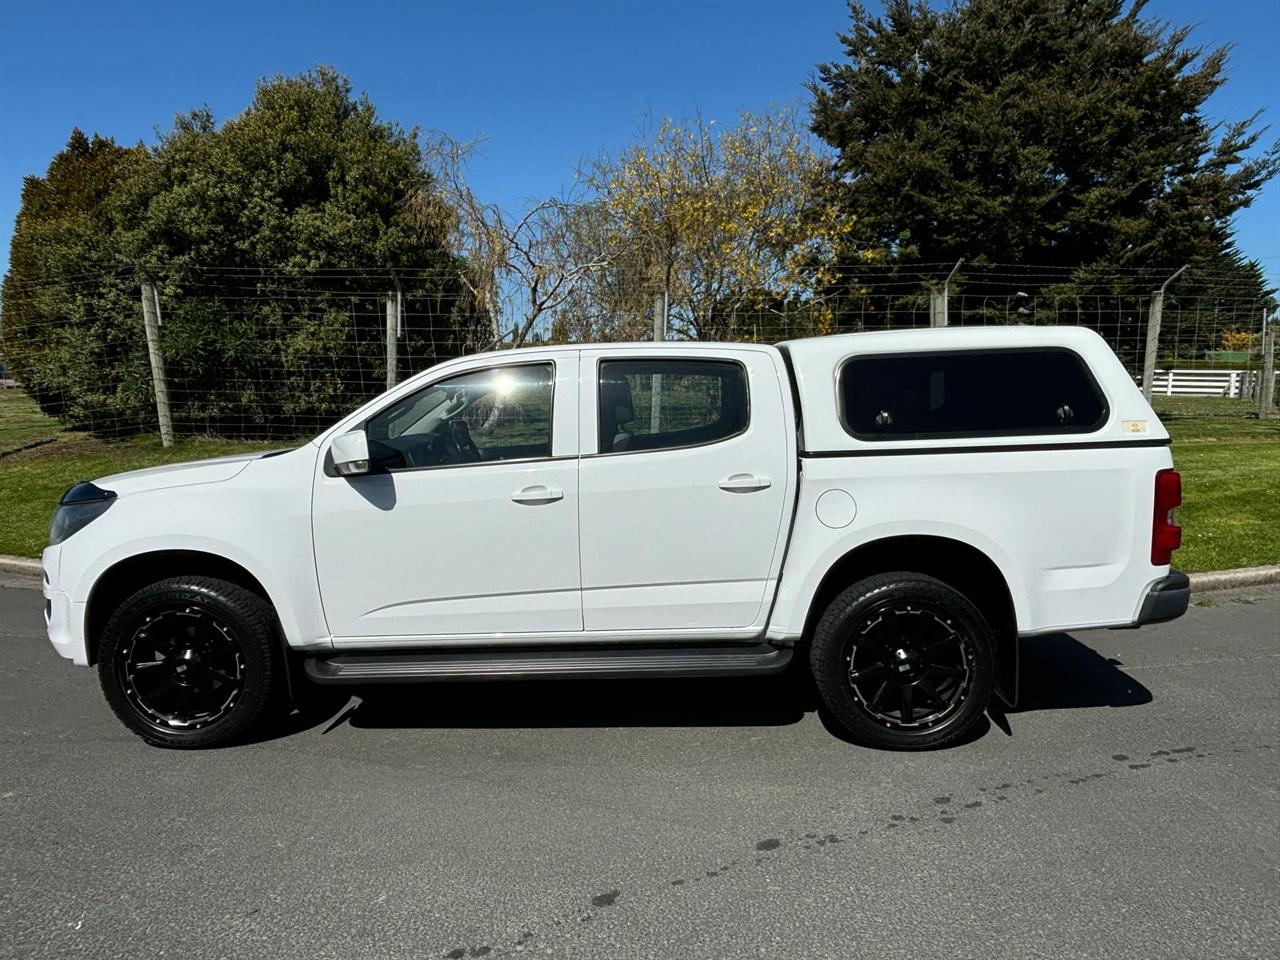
x=545 y=82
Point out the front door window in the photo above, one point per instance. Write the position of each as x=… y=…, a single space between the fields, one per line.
x=503 y=413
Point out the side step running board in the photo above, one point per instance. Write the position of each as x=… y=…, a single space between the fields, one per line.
x=617 y=663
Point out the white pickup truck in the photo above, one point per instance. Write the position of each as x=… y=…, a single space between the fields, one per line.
x=894 y=509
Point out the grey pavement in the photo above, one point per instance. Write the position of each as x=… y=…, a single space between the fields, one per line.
x=1131 y=808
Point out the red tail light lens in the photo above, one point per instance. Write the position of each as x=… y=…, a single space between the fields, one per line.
x=1166 y=535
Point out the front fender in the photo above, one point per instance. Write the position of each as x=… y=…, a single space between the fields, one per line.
x=293 y=622
x=260 y=520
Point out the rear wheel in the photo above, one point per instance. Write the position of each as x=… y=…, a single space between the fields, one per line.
x=903 y=661
x=190 y=662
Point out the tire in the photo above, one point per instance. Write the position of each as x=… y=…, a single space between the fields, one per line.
x=903 y=662
x=191 y=662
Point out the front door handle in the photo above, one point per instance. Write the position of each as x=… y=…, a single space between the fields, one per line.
x=538 y=494
x=744 y=483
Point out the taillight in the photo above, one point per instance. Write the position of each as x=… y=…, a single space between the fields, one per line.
x=1166 y=535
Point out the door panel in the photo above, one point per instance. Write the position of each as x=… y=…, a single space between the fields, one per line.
x=683 y=538
x=477 y=547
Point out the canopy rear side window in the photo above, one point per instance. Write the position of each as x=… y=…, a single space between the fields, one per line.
x=988 y=393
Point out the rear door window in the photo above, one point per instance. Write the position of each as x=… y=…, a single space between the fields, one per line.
x=988 y=393
x=661 y=404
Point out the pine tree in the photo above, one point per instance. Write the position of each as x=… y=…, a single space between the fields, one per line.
x=1066 y=133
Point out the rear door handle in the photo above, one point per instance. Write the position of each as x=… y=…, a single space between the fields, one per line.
x=744 y=483
x=538 y=494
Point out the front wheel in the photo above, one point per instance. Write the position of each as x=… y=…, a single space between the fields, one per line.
x=190 y=662
x=903 y=661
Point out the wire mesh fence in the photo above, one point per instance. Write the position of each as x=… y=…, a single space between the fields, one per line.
x=282 y=353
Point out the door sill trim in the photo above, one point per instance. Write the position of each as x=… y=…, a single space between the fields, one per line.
x=619 y=663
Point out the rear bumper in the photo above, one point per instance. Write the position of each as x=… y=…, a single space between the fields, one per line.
x=1166 y=600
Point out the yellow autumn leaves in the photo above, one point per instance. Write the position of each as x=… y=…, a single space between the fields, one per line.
x=728 y=220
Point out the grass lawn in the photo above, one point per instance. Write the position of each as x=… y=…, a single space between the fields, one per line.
x=21 y=421
x=1230 y=466
x=1208 y=419
x=1231 y=504
x=32 y=479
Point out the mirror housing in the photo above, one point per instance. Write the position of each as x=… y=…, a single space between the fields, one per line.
x=350 y=452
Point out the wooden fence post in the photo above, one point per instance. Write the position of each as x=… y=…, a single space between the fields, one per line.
x=392 y=343
x=661 y=307
x=151 y=323
x=1267 y=383
x=1153 y=335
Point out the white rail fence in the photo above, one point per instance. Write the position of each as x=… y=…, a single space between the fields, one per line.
x=1239 y=384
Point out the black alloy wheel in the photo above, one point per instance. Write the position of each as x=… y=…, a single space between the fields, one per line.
x=909 y=664
x=191 y=662
x=182 y=669
x=903 y=661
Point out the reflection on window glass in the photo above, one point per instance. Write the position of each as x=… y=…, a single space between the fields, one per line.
x=659 y=404
x=502 y=413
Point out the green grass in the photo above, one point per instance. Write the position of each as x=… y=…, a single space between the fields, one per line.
x=32 y=479
x=1229 y=461
x=1253 y=363
x=1210 y=419
x=1231 y=504
x=21 y=422
x=1230 y=466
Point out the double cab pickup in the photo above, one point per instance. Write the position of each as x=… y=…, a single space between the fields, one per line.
x=890 y=511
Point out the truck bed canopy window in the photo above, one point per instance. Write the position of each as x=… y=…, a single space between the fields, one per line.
x=978 y=393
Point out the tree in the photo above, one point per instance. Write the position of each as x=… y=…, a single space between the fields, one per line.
x=613 y=301
x=276 y=237
x=76 y=346
x=273 y=240
x=1051 y=132
x=723 y=225
x=520 y=269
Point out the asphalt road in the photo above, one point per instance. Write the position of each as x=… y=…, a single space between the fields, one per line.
x=1131 y=809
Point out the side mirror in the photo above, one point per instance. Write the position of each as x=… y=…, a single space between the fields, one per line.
x=350 y=453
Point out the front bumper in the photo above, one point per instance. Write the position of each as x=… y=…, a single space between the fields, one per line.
x=62 y=616
x=1166 y=600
